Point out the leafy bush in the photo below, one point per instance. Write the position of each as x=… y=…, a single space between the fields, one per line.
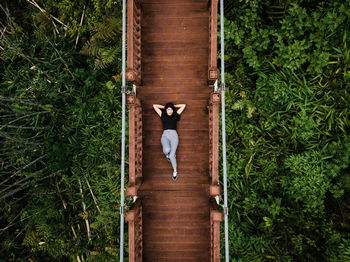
x=287 y=111
x=62 y=201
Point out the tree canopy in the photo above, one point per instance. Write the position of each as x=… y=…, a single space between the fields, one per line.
x=287 y=130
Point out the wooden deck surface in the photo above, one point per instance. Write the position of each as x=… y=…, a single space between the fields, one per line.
x=175 y=69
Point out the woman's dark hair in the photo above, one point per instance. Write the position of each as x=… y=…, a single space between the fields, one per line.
x=169 y=105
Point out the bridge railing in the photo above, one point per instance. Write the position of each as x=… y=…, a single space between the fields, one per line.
x=216 y=216
x=133 y=72
x=213 y=72
x=134 y=218
x=135 y=144
x=213 y=107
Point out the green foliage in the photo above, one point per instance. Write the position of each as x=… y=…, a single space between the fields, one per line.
x=101 y=46
x=287 y=120
x=72 y=115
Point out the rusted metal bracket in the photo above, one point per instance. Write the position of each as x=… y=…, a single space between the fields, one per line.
x=122 y=210
x=222 y=85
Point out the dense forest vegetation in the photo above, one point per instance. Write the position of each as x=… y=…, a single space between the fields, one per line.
x=287 y=116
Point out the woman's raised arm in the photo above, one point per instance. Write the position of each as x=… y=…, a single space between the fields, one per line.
x=182 y=108
x=157 y=107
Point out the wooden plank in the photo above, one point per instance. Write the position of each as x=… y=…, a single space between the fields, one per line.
x=176 y=243
x=178 y=253
x=175 y=29
x=168 y=52
x=157 y=81
x=172 y=1
x=179 y=91
x=160 y=185
x=131 y=103
x=168 y=66
x=179 y=60
x=168 y=14
x=215 y=139
x=213 y=34
x=194 y=72
x=161 y=205
x=182 y=161
x=170 y=36
x=130 y=35
x=181 y=96
x=184 y=6
x=166 y=232
x=160 y=22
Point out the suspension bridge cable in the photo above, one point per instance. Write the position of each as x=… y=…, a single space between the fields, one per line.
x=123 y=140
x=223 y=125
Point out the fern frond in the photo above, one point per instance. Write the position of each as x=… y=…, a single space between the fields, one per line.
x=108 y=28
x=107 y=56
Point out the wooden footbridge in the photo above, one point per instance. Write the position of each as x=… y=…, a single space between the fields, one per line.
x=172 y=56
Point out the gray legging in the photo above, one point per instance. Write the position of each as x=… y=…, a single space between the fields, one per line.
x=169 y=141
